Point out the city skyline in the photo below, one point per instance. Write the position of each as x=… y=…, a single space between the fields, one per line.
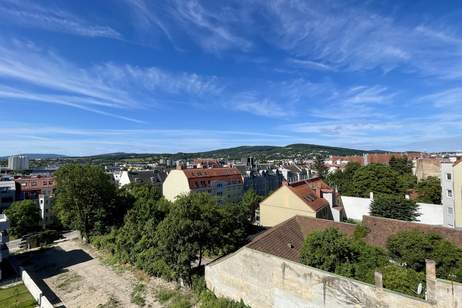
x=81 y=78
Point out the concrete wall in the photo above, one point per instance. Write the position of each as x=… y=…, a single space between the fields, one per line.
x=282 y=205
x=34 y=290
x=263 y=280
x=175 y=184
x=431 y=214
x=355 y=208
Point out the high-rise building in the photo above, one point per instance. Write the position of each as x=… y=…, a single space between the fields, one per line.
x=451 y=190
x=18 y=162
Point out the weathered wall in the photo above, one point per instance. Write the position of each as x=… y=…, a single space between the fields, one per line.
x=458 y=194
x=263 y=280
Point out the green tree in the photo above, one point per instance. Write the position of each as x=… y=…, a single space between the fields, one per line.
x=250 y=201
x=429 y=190
x=396 y=207
x=375 y=178
x=343 y=179
x=401 y=165
x=320 y=167
x=327 y=250
x=24 y=217
x=413 y=247
x=87 y=200
x=191 y=227
x=407 y=182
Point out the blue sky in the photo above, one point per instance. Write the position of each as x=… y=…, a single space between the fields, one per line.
x=89 y=77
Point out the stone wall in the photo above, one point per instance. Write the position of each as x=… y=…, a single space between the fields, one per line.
x=264 y=280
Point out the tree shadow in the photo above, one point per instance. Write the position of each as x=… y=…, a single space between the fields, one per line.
x=45 y=263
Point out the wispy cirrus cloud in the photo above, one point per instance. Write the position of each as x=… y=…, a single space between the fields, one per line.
x=34 y=15
x=33 y=74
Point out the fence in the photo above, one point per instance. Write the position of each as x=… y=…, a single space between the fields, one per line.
x=34 y=290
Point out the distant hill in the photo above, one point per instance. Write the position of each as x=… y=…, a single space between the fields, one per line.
x=259 y=152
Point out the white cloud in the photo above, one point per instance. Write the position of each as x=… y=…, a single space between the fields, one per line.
x=32 y=74
x=34 y=15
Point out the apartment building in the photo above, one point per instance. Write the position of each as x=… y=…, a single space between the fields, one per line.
x=4 y=252
x=225 y=184
x=18 y=162
x=32 y=186
x=451 y=186
x=8 y=193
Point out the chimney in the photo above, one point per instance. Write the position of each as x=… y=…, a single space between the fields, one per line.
x=378 y=280
x=430 y=269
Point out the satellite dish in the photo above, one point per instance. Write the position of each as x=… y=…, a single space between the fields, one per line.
x=419 y=288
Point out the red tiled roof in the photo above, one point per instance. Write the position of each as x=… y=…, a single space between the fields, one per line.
x=310 y=192
x=198 y=178
x=286 y=239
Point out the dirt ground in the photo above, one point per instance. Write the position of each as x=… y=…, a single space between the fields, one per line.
x=75 y=275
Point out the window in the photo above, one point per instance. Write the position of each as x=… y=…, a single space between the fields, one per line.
x=449 y=193
x=449 y=176
x=34 y=183
x=450 y=210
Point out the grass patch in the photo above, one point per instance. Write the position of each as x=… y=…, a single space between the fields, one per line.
x=67 y=279
x=174 y=298
x=111 y=303
x=138 y=294
x=16 y=297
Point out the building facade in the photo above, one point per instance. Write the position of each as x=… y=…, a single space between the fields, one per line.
x=311 y=198
x=18 y=162
x=8 y=193
x=32 y=186
x=225 y=184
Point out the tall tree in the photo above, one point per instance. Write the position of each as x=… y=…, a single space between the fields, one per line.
x=402 y=165
x=24 y=217
x=429 y=190
x=376 y=178
x=191 y=227
x=396 y=207
x=250 y=202
x=86 y=199
x=320 y=167
x=343 y=179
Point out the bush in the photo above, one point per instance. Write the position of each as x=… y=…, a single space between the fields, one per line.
x=403 y=280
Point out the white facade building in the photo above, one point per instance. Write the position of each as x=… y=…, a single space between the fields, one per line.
x=45 y=203
x=18 y=162
x=447 y=192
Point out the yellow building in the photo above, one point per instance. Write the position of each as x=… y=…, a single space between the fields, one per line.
x=312 y=198
x=225 y=184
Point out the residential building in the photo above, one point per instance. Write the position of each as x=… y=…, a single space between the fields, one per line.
x=45 y=203
x=451 y=185
x=226 y=184
x=294 y=173
x=153 y=177
x=311 y=198
x=262 y=182
x=8 y=193
x=32 y=186
x=18 y=162
x=267 y=272
x=4 y=252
